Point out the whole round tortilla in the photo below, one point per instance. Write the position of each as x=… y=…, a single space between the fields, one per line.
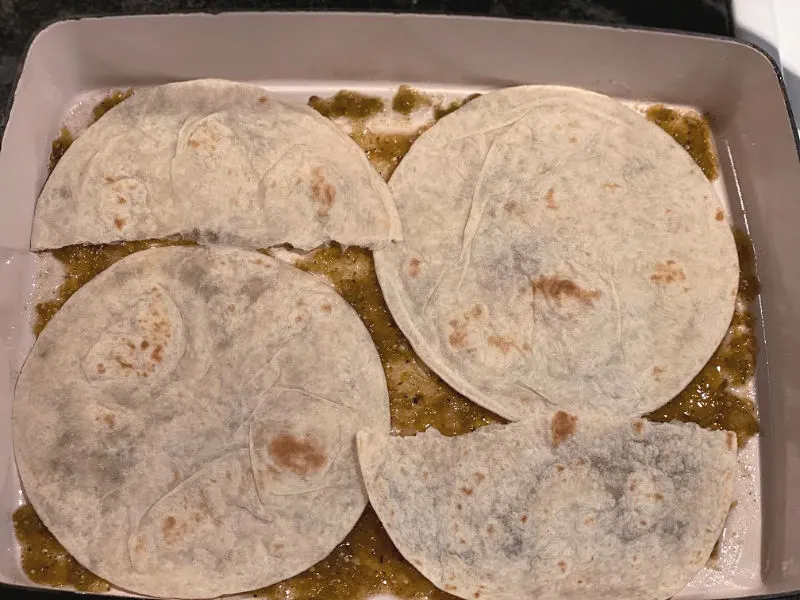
x=559 y=250
x=217 y=161
x=559 y=506
x=185 y=425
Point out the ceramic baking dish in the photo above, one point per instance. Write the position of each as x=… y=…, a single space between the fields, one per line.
x=72 y=63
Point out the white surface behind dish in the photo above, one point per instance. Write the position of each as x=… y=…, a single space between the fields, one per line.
x=774 y=25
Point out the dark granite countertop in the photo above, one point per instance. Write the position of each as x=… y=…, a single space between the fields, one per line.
x=20 y=19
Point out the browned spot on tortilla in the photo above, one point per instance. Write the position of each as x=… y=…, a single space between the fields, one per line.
x=457 y=338
x=122 y=363
x=563 y=566
x=298 y=455
x=731 y=440
x=580 y=462
x=476 y=595
x=169 y=527
x=490 y=529
x=479 y=477
x=556 y=287
x=425 y=475
x=610 y=185
x=230 y=171
x=526 y=346
x=101 y=368
x=466 y=491
x=638 y=426
x=720 y=216
x=657 y=371
x=632 y=486
x=667 y=272
x=119 y=223
x=642 y=522
x=658 y=496
x=231 y=308
x=458 y=505
x=512 y=207
x=573 y=139
x=298 y=318
x=121 y=200
x=550 y=198
x=322 y=192
x=110 y=419
x=450 y=588
x=176 y=475
x=560 y=468
x=502 y=342
x=194 y=143
x=463 y=541
x=327 y=308
x=413 y=267
x=144 y=345
x=524 y=518
x=562 y=427
x=263 y=99
x=588 y=520
x=476 y=311
x=156 y=354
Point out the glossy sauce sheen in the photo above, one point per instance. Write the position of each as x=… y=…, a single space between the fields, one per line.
x=366 y=562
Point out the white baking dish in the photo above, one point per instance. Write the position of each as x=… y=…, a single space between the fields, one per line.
x=71 y=64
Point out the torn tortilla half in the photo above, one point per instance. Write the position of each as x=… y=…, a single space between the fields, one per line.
x=219 y=162
x=558 y=506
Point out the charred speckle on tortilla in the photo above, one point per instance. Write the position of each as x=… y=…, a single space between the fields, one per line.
x=365 y=564
x=45 y=561
x=709 y=399
x=407 y=100
x=110 y=102
x=418 y=398
x=692 y=132
x=59 y=146
x=298 y=455
x=81 y=263
x=347 y=103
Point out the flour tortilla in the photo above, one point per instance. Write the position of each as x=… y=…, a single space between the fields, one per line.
x=564 y=506
x=185 y=425
x=559 y=250
x=217 y=161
